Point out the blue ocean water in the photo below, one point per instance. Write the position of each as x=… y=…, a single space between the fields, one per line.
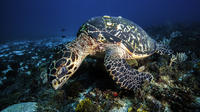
x=33 y=34
x=39 y=19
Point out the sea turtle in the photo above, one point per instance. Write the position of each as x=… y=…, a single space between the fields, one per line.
x=119 y=39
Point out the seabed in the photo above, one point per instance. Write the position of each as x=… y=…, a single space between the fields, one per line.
x=176 y=86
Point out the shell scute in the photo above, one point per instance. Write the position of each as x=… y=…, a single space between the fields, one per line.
x=118 y=29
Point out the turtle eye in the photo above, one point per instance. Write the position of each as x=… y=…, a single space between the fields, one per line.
x=62 y=72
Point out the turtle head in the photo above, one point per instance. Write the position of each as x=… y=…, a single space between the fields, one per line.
x=68 y=59
x=59 y=73
x=62 y=69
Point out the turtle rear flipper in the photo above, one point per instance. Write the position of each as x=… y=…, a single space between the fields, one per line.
x=163 y=49
x=122 y=72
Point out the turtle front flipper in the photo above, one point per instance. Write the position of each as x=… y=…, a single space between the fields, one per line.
x=122 y=72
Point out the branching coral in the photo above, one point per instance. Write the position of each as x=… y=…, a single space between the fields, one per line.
x=172 y=60
x=181 y=57
x=178 y=58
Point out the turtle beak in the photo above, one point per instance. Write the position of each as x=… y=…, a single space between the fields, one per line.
x=51 y=79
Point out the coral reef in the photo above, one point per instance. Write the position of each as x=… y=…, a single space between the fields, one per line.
x=86 y=105
x=175 y=87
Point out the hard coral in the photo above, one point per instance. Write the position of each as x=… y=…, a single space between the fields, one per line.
x=86 y=105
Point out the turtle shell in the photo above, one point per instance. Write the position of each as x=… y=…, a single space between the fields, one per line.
x=109 y=29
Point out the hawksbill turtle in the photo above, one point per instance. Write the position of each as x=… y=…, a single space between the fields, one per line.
x=119 y=39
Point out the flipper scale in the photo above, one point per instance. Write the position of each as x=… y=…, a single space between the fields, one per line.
x=127 y=77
